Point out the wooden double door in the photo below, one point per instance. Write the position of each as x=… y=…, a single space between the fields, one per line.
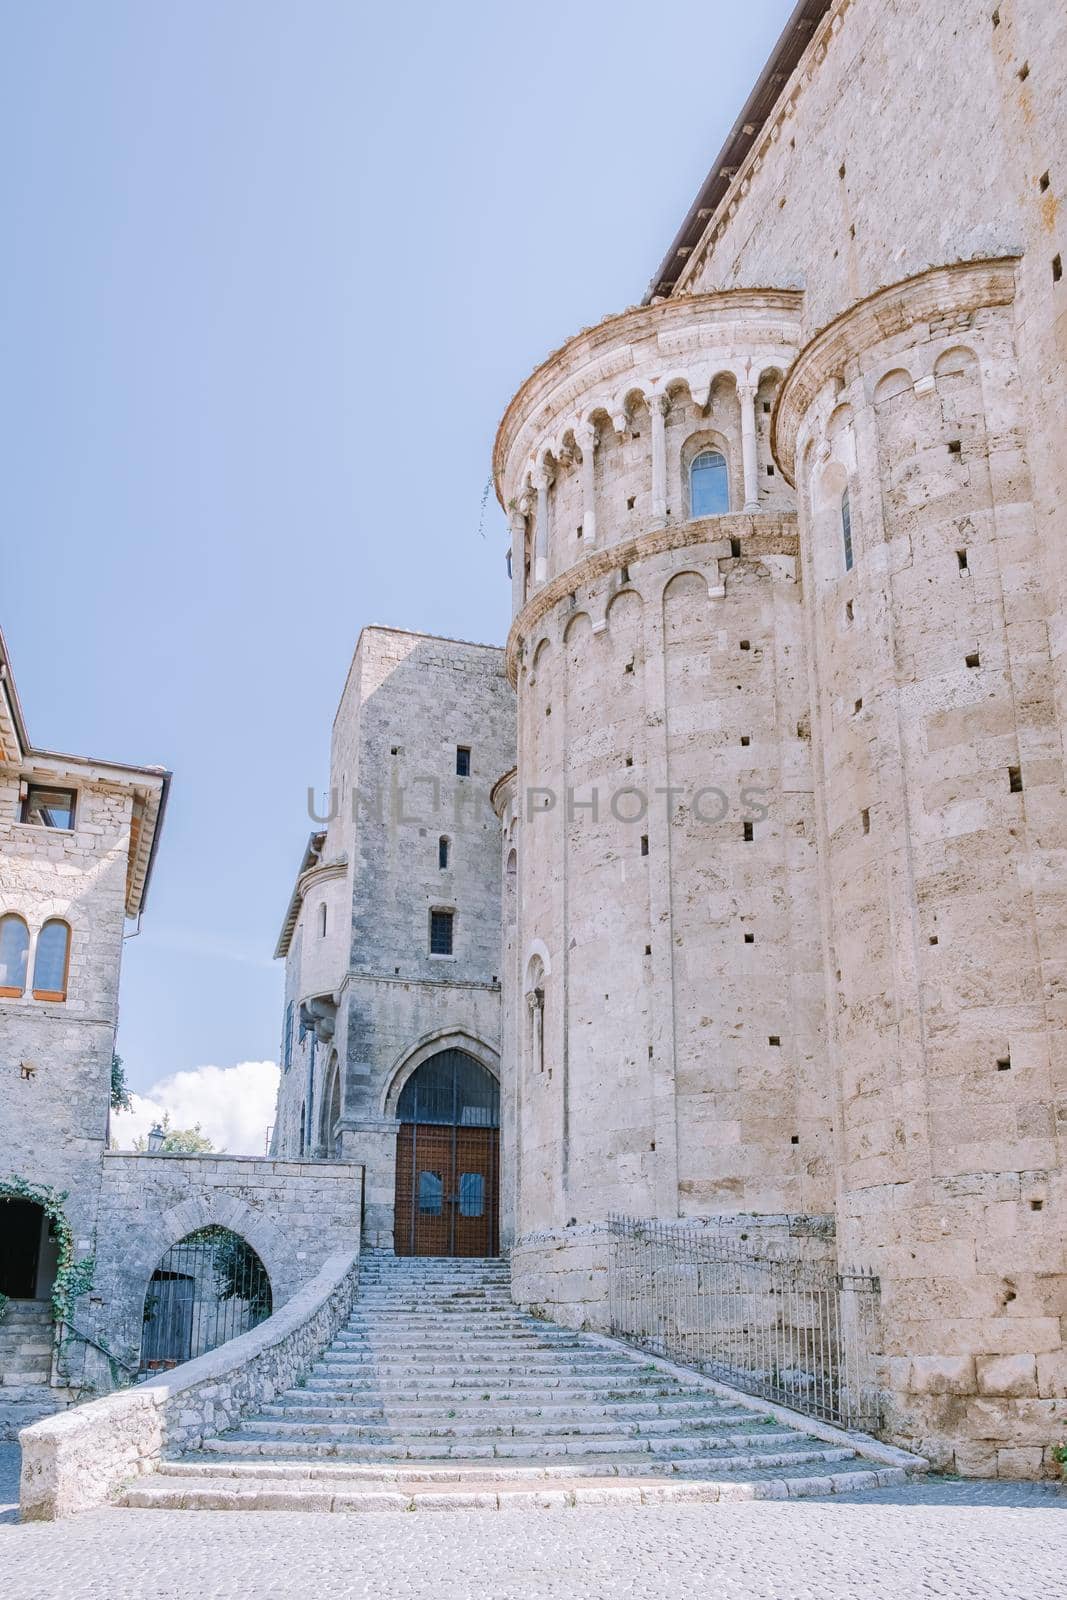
x=447 y=1190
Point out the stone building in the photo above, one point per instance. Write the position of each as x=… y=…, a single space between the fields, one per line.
x=392 y=945
x=784 y=906
x=78 y=841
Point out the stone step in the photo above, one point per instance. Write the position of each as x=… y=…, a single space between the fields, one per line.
x=295 y=1403
x=395 y=1448
x=452 y=1391
x=332 y=1430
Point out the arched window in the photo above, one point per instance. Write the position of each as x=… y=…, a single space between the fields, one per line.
x=442 y=852
x=709 y=489
x=14 y=953
x=52 y=961
x=209 y=1287
x=846 y=530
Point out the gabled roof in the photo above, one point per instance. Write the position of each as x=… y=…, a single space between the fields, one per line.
x=794 y=40
x=150 y=785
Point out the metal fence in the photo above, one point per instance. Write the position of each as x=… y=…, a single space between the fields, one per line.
x=790 y=1330
x=208 y=1288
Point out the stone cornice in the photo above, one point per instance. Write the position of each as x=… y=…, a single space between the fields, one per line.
x=762 y=535
x=598 y=358
x=942 y=291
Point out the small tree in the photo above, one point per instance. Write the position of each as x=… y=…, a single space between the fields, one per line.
x=179 y=1141
x=120 y=1095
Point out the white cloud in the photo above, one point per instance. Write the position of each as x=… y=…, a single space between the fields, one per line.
x=233 y=1105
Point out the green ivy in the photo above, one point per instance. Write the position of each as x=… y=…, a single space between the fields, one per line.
x=73 y=1278
x=3 y=1306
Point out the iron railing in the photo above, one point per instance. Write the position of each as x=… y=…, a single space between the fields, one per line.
x=771 y=1324
x=209 y=1287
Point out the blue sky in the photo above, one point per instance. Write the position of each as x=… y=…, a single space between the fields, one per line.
x=271 y=274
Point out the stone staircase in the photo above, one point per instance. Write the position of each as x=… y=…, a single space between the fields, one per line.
x=26 y=1367
x=439 y=1393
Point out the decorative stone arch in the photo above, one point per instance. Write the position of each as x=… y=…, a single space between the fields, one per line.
x=697 y=442
x=710 y=585
x=571 y=621
x=957 y=360
x=331 y=1094
x=215 y=1208
x=432 y=1044
x=895 y=380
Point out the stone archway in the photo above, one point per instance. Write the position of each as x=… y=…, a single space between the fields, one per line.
x=448 y=1158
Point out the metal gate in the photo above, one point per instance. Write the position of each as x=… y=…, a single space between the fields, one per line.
x=208 y=1288
x=448 y=1160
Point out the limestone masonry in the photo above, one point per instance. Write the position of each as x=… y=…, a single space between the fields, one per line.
x=730 y=894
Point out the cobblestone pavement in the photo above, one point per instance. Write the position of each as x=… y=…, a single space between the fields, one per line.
x=943 y=1539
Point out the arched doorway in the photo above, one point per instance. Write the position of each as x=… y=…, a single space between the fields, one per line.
x=448 y=1159
x=27 y=1251
x=208 y=1288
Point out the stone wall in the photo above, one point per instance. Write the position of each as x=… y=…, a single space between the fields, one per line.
x=81 y=1459
x=293 y=1214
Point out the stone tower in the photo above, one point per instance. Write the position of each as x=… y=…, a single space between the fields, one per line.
x=670 y=1030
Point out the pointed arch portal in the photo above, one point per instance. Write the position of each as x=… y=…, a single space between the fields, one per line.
x=448 y=1159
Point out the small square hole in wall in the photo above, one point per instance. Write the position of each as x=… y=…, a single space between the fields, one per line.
x=548 y=711
x=648 y=949
x=770 y=470
x=850 y=612
x=865 y=820
x=624 y=574
x=746 y=739
x=396 y=972
x=629 y=667
x=644 y=844
x=773 y=1039
x=857 y=707
x=735 y=547
x=746 y=644
x=794 y=1138
x=635 y=436
x=578 y=531
x=1057 y=268
x=852 y=231
x=933 y=938
x=394 y=749
x=841 y=170
x=1037 y=1205
x=1024 y=72
x=1015 y=780
x=631 y=502
x=1043 y=182
x=573 y=598
x=955 y=447
x=629 y=761
x=766 y=408
x=746 y=833
x=961 y=558
x=650 y=1052
x=1004 y=1064
x=974 y=659
x=750 y=938
x=995 y=19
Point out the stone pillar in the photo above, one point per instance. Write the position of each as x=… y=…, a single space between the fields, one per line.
x=540 y=562
x=658 y=406
x=586 y=436
x=517 y=520
x=746 y=395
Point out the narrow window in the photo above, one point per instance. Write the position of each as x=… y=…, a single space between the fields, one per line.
x=1043 y=182
x=846 y=529
x=631 y=502
x=1024 y=72
x=441 y=933
x=48 y=808
x=644 y=844
x=709 y=489
x=735 y=547
x=624 y=574
x=463 y=761
x=1057 y=268
x=579 y=531
x=287 y=1040
x=14 y=954
x=747 y=833
x=770 y=470
x=1015 y=780
x=850 y=612
x=442 y=852
x=961 y=558
x=52 y=962
x=857 y=707
x=865 y=820
x=322 y=920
